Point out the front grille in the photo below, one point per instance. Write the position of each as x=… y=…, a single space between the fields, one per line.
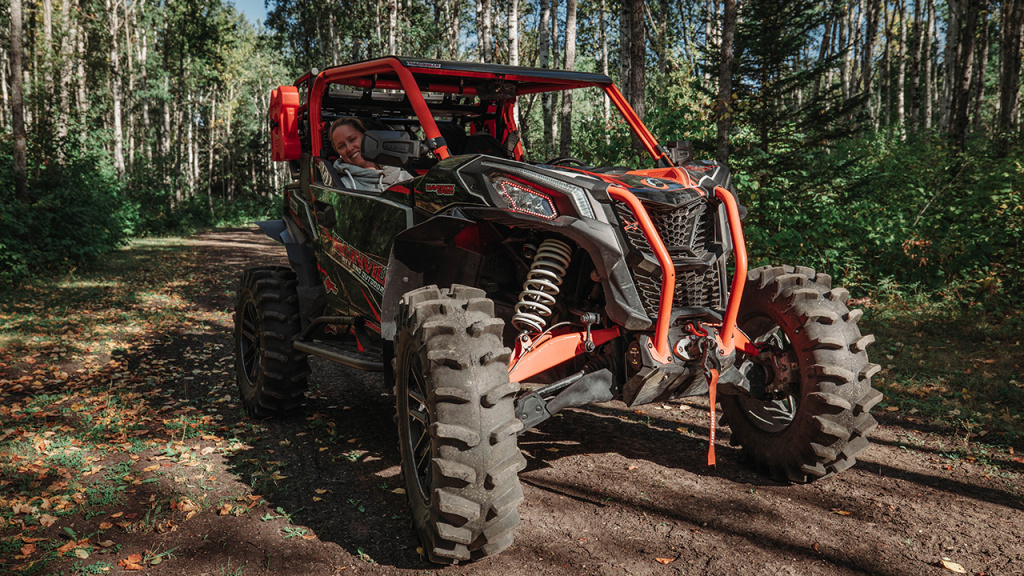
x=688 y=233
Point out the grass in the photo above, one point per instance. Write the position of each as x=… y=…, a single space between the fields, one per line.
x=954 y=367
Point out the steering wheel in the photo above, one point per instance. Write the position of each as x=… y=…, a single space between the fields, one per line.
x=566 y=160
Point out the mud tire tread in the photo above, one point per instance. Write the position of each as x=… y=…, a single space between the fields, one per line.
x=471 y=510
x=282 y=371
x=831 y=426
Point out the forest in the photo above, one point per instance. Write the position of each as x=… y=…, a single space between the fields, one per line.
x=876 y=140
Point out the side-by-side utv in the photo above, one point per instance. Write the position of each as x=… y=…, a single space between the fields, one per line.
x=493 y=291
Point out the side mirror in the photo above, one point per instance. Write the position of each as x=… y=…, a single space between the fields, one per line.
x=391 y=147
x=680 y=151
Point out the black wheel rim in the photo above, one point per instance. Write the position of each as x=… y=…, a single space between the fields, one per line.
x=772 y=416
x=418 y=415
x=249 y=343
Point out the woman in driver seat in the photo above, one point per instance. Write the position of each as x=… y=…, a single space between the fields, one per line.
x=346 y=135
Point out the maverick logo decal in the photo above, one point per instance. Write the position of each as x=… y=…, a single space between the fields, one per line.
x=441 y=189
x=652 y=183
x=362 y=265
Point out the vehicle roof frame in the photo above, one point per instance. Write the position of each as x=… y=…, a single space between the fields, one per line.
x=366 y=74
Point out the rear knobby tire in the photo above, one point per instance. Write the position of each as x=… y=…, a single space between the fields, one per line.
x=456 y=423
x=271 y=374
x=823 y=425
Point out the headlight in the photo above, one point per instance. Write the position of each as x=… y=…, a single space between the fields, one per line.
x=523 y=198
x=576 y=194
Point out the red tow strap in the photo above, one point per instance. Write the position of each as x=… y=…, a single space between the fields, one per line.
x=712 y=387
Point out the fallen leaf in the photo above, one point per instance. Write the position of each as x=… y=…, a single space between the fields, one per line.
x=134 y=558
x=225 y=510
x=953 y=566
x=398 y=491
x=46 y=520
x=106 y=525
x=207 y=450
x=28 y=549
x=117 y=515
x=665 y=560
x=840 y=512
x=320 y=491
x=81 y=553
x=632 y=467
x=317 y=499
x=151 y=468
x=106 y=543
x=892 y=408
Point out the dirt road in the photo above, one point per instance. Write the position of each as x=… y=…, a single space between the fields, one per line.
x=609 y=490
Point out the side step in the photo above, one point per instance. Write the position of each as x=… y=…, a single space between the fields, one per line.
x=336 y=352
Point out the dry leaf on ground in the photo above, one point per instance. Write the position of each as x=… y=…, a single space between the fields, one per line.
x=665 y=560
x=953 y=566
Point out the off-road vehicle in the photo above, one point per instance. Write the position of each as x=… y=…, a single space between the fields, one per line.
x=493 y=291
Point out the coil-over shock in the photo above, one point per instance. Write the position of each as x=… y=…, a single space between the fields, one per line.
x=542 y=284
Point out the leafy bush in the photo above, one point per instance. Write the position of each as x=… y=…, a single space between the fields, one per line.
x=74 y=214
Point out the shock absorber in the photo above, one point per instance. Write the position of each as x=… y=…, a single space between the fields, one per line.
x=542 y=285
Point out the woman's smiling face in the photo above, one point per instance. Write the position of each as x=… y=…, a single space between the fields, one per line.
x=348 y=141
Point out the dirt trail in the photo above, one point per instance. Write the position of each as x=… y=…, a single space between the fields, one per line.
x=609 y=490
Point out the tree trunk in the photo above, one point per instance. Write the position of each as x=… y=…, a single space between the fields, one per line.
x=48 y=55
x=637 y=61
x=555 y=59
x=951 y=60
x=603 y=32
x=80 y=75
x=823 y=51
x=980 y=67
x=113 y=20
x=513 y=34
x=210 y=144
x=929 y=81
x=18 y=107
x=844 y=44
x=1012 y=19
x=392 y=26
x=4 y=96
x=888 y=19
x=543 y=61
x=725 y=82
x=868 y=55
x=901 y=74
x=914 y=115
x=66 y=72
x=565 y=147
x=958 y=127
x=485 y=38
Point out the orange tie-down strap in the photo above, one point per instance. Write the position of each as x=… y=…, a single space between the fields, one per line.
x=712 y=387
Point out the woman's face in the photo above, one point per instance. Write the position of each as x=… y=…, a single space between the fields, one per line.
x=348 y=141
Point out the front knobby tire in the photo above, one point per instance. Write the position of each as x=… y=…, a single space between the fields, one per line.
x=456 y=423
x=822 y=424
x=271 y=374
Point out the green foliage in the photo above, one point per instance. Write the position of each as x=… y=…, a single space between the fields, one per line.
x=74 y=215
